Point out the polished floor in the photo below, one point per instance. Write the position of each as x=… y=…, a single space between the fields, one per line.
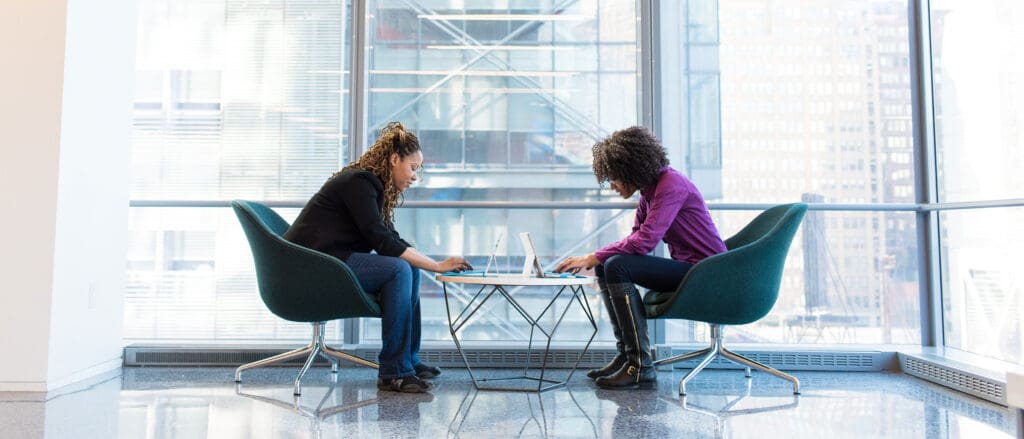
x=160 y=403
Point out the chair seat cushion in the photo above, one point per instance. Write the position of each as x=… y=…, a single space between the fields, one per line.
x=658 y=297
x=654 y=301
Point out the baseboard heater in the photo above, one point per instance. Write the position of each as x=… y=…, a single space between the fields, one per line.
x=957 y=376
x=823 y=360
x=211 y=356
x=141 y=355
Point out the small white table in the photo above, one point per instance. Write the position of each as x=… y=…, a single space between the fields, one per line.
x=495 y=285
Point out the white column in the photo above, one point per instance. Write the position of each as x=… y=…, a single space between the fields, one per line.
x=65 y=130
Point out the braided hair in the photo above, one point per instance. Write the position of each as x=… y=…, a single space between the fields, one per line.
x=393 y=139
x=632 y=156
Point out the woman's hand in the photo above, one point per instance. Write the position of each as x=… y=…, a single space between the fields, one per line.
x=454 y=263
x=424 y=262
x=577 y=263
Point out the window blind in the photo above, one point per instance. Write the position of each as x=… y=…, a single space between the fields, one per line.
x=235 y=99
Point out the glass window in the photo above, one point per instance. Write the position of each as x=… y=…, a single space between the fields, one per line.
x=236 y=100
x=759 y=104
x=979 y=109
x=508 y=102
x=780 y=104
x=190 y=279
x=850 y=278
x=798 y=81
x=504 y=88
x=979 y=99
x=982 y=282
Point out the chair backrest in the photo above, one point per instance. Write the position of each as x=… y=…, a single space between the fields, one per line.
x=297 y=283
x=741 y=285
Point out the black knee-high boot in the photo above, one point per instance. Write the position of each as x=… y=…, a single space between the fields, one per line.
x=638 y=371
x=620 y=357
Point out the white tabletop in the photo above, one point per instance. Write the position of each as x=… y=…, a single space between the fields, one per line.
x=516 y=279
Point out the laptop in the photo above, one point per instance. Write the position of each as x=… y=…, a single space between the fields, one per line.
x=491 y=261
x=531 y=266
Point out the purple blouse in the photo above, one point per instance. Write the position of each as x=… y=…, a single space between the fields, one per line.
x=672 y=210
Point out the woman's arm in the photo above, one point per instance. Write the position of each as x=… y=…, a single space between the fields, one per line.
x=661 y=210
x=424 y=262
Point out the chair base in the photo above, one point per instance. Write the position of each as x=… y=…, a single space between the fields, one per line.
x=316 y=348
x=716 y=350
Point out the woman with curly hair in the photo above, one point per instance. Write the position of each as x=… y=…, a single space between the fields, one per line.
x=671 y=209
x=352 y=218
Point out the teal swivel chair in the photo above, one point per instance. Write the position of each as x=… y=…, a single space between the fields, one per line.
x=301 y=285
x=733 y=288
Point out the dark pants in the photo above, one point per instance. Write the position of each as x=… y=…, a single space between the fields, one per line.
x=651 y=272
x=618 y=278
x=397 y=287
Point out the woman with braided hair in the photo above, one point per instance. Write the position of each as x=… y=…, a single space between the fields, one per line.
x=671 y=209
x=352 y=218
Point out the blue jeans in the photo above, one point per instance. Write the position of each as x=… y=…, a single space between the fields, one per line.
x=396 y=284
x=651 y=272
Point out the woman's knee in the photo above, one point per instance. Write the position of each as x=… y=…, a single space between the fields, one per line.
x=616 y=269
x=399 y=268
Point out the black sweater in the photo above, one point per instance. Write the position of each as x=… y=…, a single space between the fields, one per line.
x=344 y=217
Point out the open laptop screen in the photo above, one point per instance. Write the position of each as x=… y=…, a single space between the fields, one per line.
x=531 y=266
x=492 y=261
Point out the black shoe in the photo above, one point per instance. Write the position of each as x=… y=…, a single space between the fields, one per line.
x=609 y=369
x=409 y=384
x=630 y=377
x=426 y=372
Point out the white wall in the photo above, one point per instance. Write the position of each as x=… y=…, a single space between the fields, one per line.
x=65 y=118
x=92 y=193
x=32 y=50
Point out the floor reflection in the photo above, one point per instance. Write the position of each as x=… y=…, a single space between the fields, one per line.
x=159 y=403
x=723 y=406
x=521 y=414
x=327 y=407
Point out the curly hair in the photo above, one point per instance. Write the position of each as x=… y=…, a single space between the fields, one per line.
x=393 y=139
x=632 y=156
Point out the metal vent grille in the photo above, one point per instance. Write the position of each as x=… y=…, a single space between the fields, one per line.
x=223 y=356
x=158 y=356
x=509 y=358
x=149 y=357
x=966 y=382
x=990 y=414
x=841 y=361
x=815 y=360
